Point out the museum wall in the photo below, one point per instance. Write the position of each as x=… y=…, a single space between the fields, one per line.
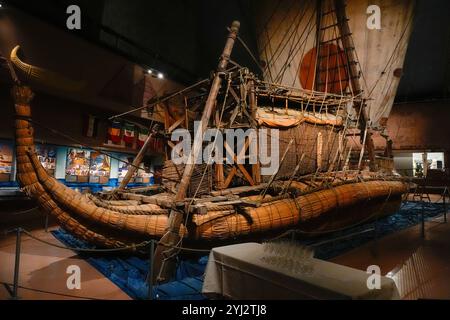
x=112 y=85
x=181 y=38
x=421 y=126
x=106 y=79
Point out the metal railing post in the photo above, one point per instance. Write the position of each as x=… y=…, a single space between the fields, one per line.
x=422 y=216
x=150 y=270
x=17 y=264
x=445 y=204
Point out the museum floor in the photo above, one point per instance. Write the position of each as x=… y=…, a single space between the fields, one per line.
x=43 y=272
x=421 y=268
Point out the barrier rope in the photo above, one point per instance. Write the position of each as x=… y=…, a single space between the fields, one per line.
x=186 y=249
x=50 y=292
x=133 y=247
x=23 y=211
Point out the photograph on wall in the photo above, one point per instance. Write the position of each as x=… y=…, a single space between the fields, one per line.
x=124 y=164
x=47 y=157
x=6 y=161
x=100 y=168
x=141 y=176
x=77 y=165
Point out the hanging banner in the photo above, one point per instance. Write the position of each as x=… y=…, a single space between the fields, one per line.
x=114 y=132
x=128 y=133
x=142 y=136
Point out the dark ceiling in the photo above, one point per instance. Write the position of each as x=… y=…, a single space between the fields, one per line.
x=427 y=64
x=184 y=38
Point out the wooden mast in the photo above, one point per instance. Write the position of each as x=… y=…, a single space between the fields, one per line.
x=344 y=30
x=164 y=259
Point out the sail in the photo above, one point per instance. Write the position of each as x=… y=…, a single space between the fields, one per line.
x=301 y=44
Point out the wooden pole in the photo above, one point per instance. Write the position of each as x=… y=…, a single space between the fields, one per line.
x=164 y=262
x=136 y=162
x=218 y=167
x=274 y=175
x=256 y=168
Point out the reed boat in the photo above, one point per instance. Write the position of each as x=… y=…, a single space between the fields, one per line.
x=324 y=180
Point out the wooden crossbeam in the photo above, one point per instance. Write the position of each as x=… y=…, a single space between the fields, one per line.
x=230 y=177
x=240 y=166
x=246 y=174
x=175 y=125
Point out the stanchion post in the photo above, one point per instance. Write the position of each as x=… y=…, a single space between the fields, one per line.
x=422 y=216
x=445 y=204
x=150 y=270
x=17 y=264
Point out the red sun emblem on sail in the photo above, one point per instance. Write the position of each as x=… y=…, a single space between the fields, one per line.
x=329 y=65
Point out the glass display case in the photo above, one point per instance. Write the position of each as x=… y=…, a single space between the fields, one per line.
x=424 y=161
x=47 y=157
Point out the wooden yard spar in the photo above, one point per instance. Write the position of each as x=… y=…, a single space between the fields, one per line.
x=164 y=255
x=136 y=162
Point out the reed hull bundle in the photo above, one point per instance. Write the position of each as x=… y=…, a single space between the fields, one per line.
x=136 y=217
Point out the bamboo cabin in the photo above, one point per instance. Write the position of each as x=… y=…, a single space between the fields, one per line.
x=310 y=96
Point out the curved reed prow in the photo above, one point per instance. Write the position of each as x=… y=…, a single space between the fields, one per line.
x=24 y=134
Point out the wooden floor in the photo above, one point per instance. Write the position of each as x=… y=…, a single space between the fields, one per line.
x=43 y=272
x=420 y=267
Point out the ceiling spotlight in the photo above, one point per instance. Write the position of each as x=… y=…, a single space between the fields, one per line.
x=160 y=75
x=149 y=71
